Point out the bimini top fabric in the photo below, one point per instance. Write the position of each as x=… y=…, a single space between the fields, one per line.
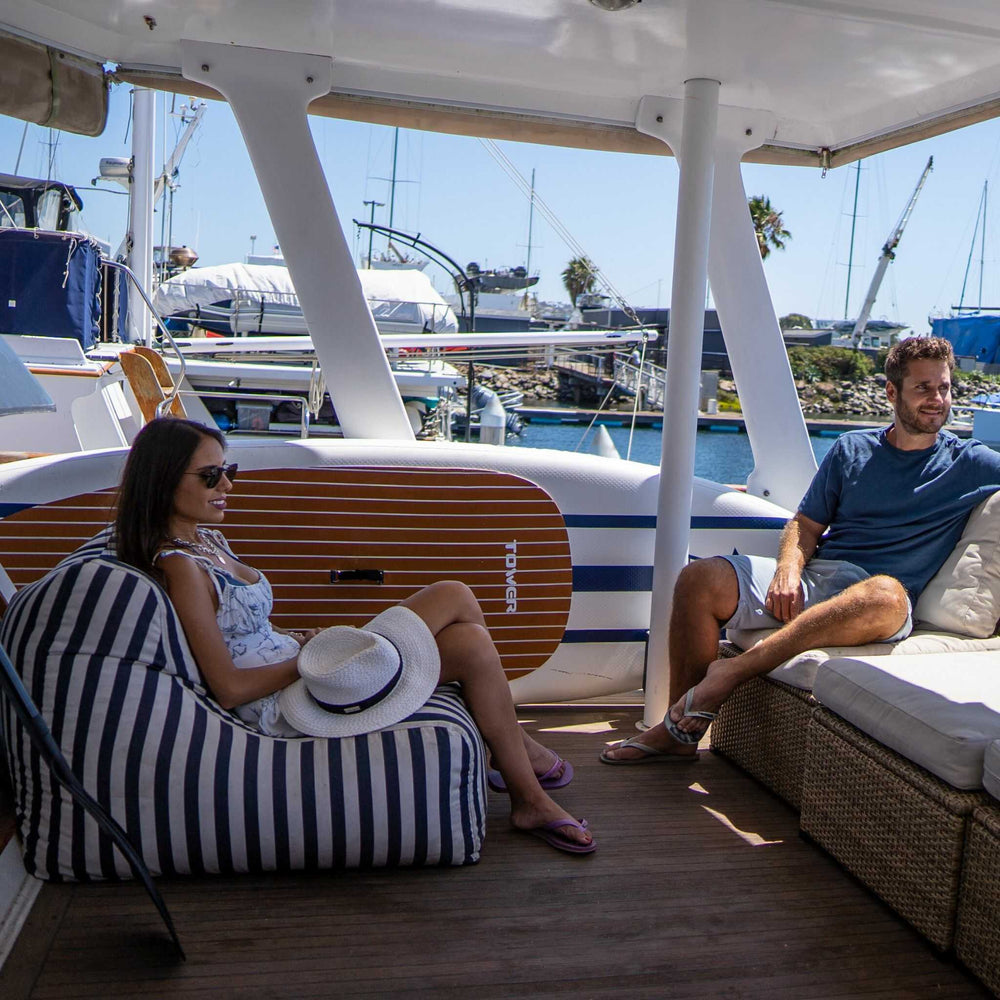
x=101 y=652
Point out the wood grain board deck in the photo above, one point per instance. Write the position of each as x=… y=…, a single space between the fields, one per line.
x=500 y=534
x=700 y=887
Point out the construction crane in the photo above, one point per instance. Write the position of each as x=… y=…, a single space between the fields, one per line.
x=888 y=254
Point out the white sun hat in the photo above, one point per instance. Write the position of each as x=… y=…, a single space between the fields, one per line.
x=357 y=680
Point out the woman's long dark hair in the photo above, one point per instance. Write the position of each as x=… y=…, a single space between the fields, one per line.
x=160 y=454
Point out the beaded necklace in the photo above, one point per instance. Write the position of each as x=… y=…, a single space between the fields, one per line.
x=204 y=545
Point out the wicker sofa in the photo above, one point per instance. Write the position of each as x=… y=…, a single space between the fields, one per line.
x=884 y=749
x=195 y=789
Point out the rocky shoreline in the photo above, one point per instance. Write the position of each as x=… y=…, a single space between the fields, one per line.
x=862 y=399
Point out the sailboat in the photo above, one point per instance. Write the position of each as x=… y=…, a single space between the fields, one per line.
x=704 y=886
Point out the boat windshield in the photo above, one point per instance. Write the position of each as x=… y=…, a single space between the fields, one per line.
x=12 y=214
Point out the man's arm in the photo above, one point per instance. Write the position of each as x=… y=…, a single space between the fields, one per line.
x=798 y=542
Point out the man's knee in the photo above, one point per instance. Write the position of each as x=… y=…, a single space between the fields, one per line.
x=885 y=598
x=709 y=583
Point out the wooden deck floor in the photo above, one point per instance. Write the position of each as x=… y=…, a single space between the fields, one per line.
x=701 y=887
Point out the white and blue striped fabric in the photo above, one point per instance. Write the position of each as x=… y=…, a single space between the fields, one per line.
x=101 y=652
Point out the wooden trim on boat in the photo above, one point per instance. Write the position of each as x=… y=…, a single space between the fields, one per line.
x=407 y=527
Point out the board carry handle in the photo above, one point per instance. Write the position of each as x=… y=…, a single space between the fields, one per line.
x=357 y=576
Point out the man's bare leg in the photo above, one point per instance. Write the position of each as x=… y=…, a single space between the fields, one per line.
x=705 y=597
x=868 y=611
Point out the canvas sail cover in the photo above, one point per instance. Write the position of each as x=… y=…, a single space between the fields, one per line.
x=50 y=285
x=971 y=336
x=402 y=301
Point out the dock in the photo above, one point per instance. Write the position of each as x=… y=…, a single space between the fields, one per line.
x=732 y=423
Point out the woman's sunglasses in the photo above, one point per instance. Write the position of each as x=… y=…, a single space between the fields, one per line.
x=212 y=474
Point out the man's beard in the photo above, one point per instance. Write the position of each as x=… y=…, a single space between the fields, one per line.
x=917 y=423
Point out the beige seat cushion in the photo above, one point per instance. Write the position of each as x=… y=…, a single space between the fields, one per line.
x=941 y=712
x=800 y=671
x=964 y=595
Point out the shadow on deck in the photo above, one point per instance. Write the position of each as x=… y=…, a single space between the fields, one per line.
x=701 y=887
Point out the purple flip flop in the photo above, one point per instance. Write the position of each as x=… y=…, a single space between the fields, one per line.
x=549 y=780
x=549 y=832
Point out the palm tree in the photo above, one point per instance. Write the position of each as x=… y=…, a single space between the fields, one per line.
x=578 y=277
x=767 y=225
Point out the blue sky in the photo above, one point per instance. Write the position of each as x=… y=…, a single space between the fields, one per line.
x=620 y=208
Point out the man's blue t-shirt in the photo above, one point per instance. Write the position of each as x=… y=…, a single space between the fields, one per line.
x=898 y=512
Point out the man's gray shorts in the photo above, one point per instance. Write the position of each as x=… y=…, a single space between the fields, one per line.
x=821 y=579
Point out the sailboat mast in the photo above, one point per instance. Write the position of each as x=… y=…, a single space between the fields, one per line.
x=850 y=253
x=531 y=219
x=980 y=214
x=982 y=245
x=392 y=184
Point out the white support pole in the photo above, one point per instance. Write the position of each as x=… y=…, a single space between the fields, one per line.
x=140 y=257
x=784 y=462
x=680 y=414
x=269 y=92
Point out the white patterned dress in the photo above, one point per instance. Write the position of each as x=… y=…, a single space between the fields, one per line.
x=244 y=621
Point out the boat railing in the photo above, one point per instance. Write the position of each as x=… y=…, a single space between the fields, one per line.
x=177 y=392
x=164 y=407
x=648 y=381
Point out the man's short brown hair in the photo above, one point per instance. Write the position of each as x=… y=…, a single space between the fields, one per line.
x=897 y=361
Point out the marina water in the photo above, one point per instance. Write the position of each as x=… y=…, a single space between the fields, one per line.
x=721 y=455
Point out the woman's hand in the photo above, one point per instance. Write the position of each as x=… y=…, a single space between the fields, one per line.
x=303 y=637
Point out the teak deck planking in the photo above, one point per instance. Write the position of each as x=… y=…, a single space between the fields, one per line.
x=701 y=887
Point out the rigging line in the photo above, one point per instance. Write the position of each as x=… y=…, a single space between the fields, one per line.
x=561 y=231
x=635 y=402
x=597 y=413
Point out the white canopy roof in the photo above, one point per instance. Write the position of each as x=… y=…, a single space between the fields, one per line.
x=850 y=76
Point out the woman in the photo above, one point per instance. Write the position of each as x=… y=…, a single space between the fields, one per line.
x=175 y=480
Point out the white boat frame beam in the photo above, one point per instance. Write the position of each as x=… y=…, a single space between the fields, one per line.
x=269 y=93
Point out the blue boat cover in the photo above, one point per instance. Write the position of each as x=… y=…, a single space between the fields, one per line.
x=50 y=285
x=971 y=336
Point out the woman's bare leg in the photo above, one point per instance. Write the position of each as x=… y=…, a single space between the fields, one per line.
x=469 y=656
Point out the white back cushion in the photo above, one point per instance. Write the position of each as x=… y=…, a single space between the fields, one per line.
x=964 y=595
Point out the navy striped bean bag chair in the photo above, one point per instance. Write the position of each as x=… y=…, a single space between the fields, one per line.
x=101 y=652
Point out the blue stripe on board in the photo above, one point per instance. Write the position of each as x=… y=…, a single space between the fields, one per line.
x=612 y=578
x=366 y=822
x=444 y=806
x=700 y=521
x=223 y=764
x=610 y=520
x=393 y=811
x=739 y=523
x=606 y=635
x=192 y=793
x=419 y=797
x=279 y=800
x=251 y=816
x=310 y=828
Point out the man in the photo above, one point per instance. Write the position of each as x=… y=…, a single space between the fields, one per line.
x=879 y=519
